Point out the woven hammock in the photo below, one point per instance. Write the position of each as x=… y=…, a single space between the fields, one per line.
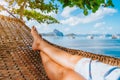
x=17 y=59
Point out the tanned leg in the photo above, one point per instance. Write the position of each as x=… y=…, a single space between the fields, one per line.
x=59 y=56
x=58 y=72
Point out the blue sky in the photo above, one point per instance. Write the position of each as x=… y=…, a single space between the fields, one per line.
x=105 y=20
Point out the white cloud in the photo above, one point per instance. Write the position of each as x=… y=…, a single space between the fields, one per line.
x=70 y=21
x=67 y=10
x=94 y=32
x=4 y=13
x=101 y=13
x=2 y=2
x=110 y=28
x=43 y=27
x=100 y=24
x=66 y=29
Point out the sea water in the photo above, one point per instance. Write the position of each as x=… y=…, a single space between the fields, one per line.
x=109 y=47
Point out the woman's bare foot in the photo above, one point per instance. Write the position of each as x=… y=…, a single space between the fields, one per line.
x=37 y=39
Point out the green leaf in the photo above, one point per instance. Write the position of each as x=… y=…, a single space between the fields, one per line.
x=85 y=12
x=34 y=6
x=86 y=4
x=52 y=6
x=41 y=18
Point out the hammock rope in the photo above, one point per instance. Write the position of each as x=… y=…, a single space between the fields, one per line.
x=3 y=8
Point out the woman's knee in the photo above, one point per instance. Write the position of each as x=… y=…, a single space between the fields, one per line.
x=55 y=70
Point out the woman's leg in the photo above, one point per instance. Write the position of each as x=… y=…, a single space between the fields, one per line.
x=58 y=72
x=59 y=56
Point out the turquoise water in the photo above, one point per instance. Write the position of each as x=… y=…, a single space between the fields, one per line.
x=110 y=47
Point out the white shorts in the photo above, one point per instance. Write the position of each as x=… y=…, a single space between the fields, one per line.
x=94 y=70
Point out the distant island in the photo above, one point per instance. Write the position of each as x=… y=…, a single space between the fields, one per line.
x=54 y=33
x=57 y=33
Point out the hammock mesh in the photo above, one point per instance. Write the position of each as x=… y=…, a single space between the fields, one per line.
x=17 y=59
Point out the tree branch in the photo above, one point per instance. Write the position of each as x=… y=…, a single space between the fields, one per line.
x=22 y=9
